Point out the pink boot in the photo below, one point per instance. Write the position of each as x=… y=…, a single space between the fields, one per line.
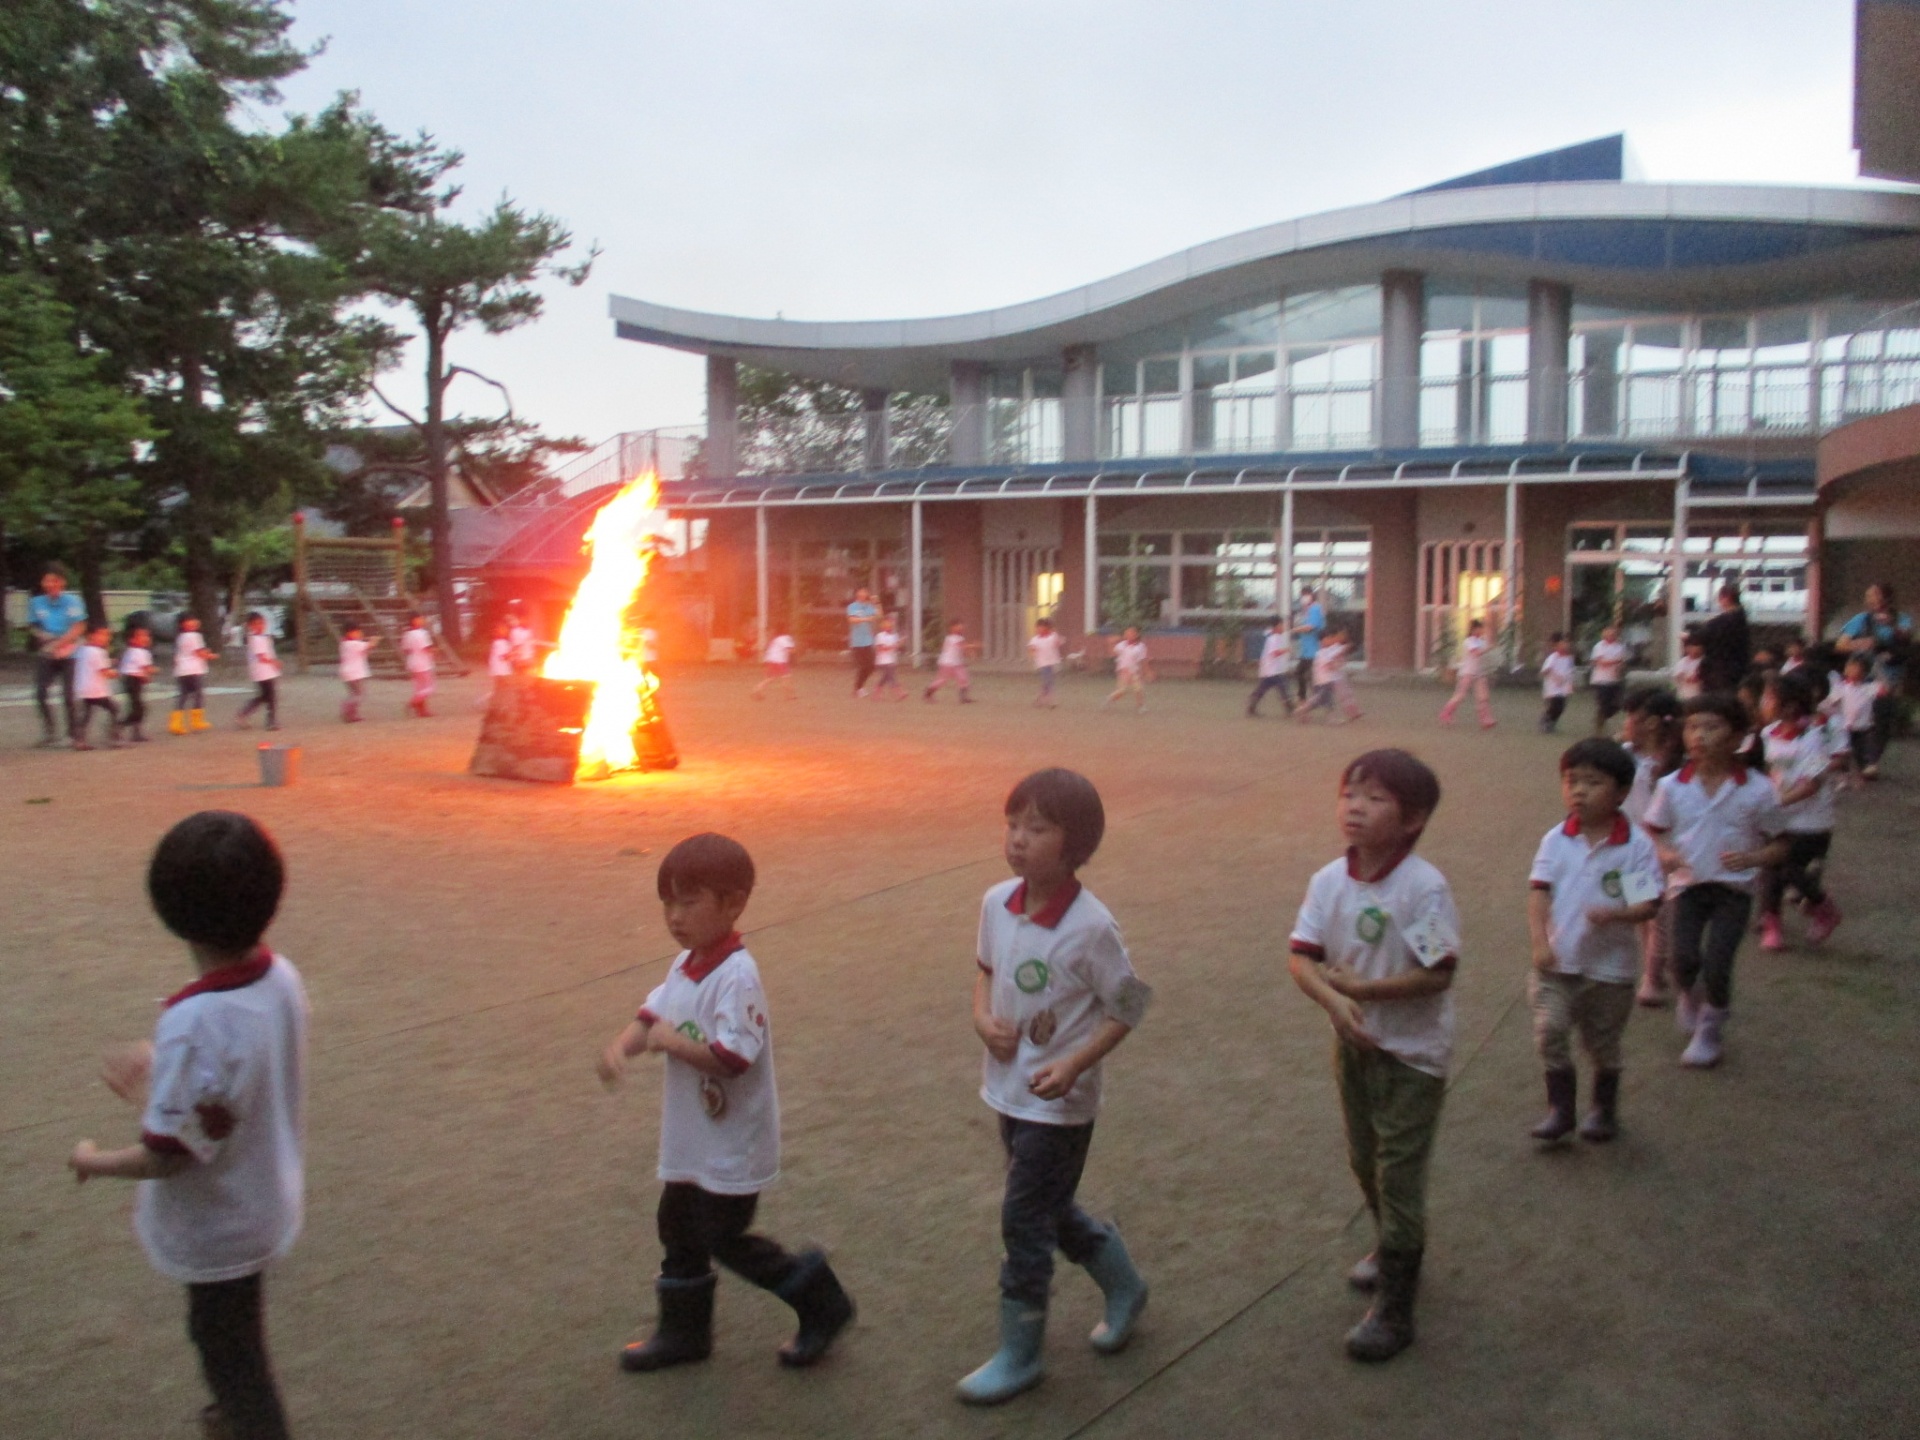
x=1822 y=920
x=1770 y=936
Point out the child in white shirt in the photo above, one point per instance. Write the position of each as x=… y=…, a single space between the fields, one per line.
x=1475 y=655
x=222 y=1090
x=1132 y=670
x=189 y=678
x=886 y=660
x=779 y=667
x=1375 y=945
x=263 y=668
x=1047 y=650
x=93 y=687
x=1556 y=682
x=499 y=662
x=1330 y=684
x=1276 y=664
x=354 y=671
x=1686 y=670
x=1853 y=702
x=953 y=665
x=416 y=648
x=1608 y=676
x=720 y=1118
x=1053 y=995
x=1804 y=757
x=136 y=669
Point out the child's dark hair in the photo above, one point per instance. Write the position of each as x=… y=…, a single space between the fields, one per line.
x=708 y=861
x=216 y=880
x=1596 y=752
x=1065 y=798
x=1476 y=625
x=1404 y=776
x=1793 y=691
x=1556 y=637
x=1655 y=700
x=1865 y=662
x=1717 y=702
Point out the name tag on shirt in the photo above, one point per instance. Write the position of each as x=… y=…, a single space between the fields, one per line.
x=1426 y=940
x=1637 y=887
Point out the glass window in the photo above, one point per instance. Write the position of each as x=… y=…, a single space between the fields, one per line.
x=1254 y=366
x=1160 y=377
x=1119 y=379
x=1236 y=323
x=1593 y=537
x=1211 y=372
x=1332 y=314
x=1115 y=545
x=1196 y=543
x=1655 y=347
x=1723 y=332
x=1153 y=544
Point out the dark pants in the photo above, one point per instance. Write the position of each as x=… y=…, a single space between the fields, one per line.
x=83 y=719
x=1886 y=710
x=268 y=697
x=862 y=665
x=698 y=1227
x=1806 y=858
x=1392 y=1113
x=227 y=1322
x=1269 y=682
x=1551 y=712
x=1039 y=1214
x=1303 y=678
x=46 y=670
x=1606 y=704
x=190 y=692
x=1708 y=923
x=136 y=700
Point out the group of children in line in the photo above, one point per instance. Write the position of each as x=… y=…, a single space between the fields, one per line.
x=1653 y=871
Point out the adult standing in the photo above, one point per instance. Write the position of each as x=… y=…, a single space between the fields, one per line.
x=57 y=620
x=1726 y=646
x=1313 y=625
x=1884 y=634
x=860 y=617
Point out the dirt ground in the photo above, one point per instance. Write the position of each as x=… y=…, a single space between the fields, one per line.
x=480 y=1241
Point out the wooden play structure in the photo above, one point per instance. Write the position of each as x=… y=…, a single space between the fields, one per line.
x=345 y=580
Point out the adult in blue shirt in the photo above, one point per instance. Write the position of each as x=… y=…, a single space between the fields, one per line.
x=57 y=620
x=1313 y=624
x=860 y=617
x=1884 y=634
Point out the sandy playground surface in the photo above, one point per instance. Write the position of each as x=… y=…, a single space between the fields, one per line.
x=480 y=1237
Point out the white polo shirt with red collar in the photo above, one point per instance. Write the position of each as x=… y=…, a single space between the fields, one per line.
x=1582 y=875
x=1057 y=974
x=1800 y=751
x=1741 y=815
x=228 y=1089
x=722 y=1135
x=1386 y=925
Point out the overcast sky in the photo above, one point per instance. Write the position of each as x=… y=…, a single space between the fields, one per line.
x=860 y=159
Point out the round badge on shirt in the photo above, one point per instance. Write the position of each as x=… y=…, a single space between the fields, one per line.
x=713 y=1097
x=1041 y=1028
x=1610 y=885
x=1371 y=924
x=1031 y=977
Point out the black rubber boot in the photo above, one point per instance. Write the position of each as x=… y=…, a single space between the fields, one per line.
x=1562 y=1094
x=685 y=1331
x=1388 y=1326
x=824 y=1308
x=1602 y=1122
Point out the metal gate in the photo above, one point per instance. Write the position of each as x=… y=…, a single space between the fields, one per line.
x=1022 y=585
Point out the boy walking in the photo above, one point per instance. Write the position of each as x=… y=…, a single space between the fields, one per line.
x=778 y=663
x=720 y=1118
x=1053 y=995
x=1805 y=757
x=223 y=1089
x=1472 y=677
x=263 y=668
x=189 y=679
x=1556 y=682
x=93 y=688
x=1375 y=946
x=416 y=649
x=1048 y=650
x=1276 y=664
x=1716 y=823
x=1131 y=670
x=1608 y=677
x=952 y=665
x=136 y=669
x=886 y=660
x=1595 y=880
x=355 y=670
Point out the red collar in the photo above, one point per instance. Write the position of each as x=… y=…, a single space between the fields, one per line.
x=1621 y=833
x=1787 y=730
x=1053 y=912
x=236 y=976
x=1393 y=864
x=701 y=963
x=1736 y=773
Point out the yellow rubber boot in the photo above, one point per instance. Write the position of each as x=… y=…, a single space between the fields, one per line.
x=177 y=724
x=198 y=721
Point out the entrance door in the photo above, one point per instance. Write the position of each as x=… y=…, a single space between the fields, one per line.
x=1023 y=584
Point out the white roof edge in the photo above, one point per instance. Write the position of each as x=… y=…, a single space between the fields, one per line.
x=1408 y=214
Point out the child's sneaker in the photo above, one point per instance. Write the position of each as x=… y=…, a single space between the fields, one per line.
x=1686 y=1012
x=1703 y=1052
x=1771 y=937
x=1822 y=920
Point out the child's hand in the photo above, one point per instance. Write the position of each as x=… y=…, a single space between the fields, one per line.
x=126 y=1070
x=81 y=1161
x=1350 y=1022
x=1052 y=1082
x=1001 y=1037
x=1741 y=859
x=657 y=1039
x=1342 y=980
x=612 y=1068
x=1543 y=955
x=1669 y=858
x=1606 y=914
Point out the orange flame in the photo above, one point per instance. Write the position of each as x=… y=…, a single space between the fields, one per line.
x=596 y=643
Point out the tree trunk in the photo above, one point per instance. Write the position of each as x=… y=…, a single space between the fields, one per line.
x=436 y=438
x=202 y=571
x=6 y=630
x=92 y=550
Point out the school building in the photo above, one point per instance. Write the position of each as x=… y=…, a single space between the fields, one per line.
x=1546 y=394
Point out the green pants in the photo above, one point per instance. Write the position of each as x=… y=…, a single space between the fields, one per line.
x=1392 y=1112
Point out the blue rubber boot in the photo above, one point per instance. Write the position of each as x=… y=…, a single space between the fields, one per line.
x=1112 y=1270
x=1016 y=1367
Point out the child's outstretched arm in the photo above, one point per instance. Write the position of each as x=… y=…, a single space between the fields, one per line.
x=1539 y=923
x=667 y=1041
x=1001 y=1037
x=628 y=1043
x=127 y=1070
x=135 y=1162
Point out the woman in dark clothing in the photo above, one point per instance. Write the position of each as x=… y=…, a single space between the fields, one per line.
x=1726 y=648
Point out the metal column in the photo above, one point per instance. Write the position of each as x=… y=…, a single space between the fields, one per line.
x=917 y=608
x=760 y=572
x=1090 y=601
x=1677 y=577
x=1286 y=553
x=1509 y=602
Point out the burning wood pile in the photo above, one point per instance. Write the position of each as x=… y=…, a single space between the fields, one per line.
x=594 y=709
